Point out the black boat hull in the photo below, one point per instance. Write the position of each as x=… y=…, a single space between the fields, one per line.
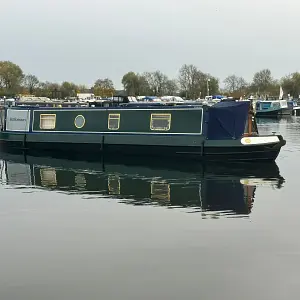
x=229 y=150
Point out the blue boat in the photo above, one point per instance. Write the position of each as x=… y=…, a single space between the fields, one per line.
x=273 y=108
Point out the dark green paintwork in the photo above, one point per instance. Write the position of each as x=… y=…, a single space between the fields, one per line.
x=182 y=121
x=111 y=139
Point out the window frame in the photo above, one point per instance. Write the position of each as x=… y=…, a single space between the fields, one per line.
x=153 y=116
x=110 y=117
x=78 y=116
x=47 y=115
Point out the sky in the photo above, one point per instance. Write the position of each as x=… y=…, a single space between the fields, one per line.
x=83 y=40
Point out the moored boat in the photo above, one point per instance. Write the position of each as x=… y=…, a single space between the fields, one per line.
x=273 y=108
x=225 y=131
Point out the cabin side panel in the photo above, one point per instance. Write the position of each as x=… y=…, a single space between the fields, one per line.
x=118 y=121
x=70 y=120
x=141 y=121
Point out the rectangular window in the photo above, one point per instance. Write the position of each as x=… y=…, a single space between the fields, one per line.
x=47 y=121
x=160 y=191
x=160 y=122
x=48 y=177
x=113 y=121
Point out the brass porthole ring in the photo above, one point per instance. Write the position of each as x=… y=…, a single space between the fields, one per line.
x=79 y=121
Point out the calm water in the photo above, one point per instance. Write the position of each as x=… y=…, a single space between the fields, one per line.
x=115 y=230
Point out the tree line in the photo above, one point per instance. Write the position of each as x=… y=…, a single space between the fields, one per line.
x=191 y=83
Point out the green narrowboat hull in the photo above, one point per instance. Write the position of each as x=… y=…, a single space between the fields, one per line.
x=152 y=132
x=184 y=147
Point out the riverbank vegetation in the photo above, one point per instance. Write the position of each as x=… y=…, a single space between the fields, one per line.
x=191 y=83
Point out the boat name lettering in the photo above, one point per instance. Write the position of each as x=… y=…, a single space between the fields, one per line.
x=17 y=119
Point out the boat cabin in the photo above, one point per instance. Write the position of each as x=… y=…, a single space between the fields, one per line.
x=225 y=120
x=271 y=104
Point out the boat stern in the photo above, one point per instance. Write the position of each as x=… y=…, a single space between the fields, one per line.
x=276 y=140
x=269 y=146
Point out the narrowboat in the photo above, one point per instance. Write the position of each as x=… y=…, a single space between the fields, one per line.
x=225 y=131
x=211 y=186
x=273 y=108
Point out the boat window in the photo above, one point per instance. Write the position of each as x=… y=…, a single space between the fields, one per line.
x=114 y=184
x=160 y=122
x=48 y=177
x=160 y=191
x=79 y=121
x=113 y=121
x=47 y=121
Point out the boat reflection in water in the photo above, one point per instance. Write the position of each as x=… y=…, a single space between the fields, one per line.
x=222 y=189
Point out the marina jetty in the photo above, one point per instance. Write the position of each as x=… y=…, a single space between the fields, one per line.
x=224 y=131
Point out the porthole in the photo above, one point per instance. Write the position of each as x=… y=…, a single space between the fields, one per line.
x=79 y=121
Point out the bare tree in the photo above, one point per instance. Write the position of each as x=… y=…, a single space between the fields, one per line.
x=262 y=80
x=149 y=78
x=189 y=80
x=231 y=83
x=171 y=87
x=160 y=82
x=234 y=83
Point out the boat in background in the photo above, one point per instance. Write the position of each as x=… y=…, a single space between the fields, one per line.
x=273 y=108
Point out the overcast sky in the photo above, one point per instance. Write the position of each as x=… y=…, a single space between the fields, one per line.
x=82 y=40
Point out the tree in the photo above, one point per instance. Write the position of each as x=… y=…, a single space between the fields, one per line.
x=105 y=83
x=189 y=77
x=231 y=83
x=194 y=83
x=213 y=84
x=171 y=87
x=104 y=87
x=291 y=84
x=262 y=81
x=48 y=89
x=11 y=76
x=242 y=84
x=131 y=83
x=30 y=82
x=149 y=78
x=143 y=88
x=82 y=88
x=234 y=84
x=160 y=81
x=68 y=89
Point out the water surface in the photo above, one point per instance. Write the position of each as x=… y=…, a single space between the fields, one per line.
x=119 y=230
